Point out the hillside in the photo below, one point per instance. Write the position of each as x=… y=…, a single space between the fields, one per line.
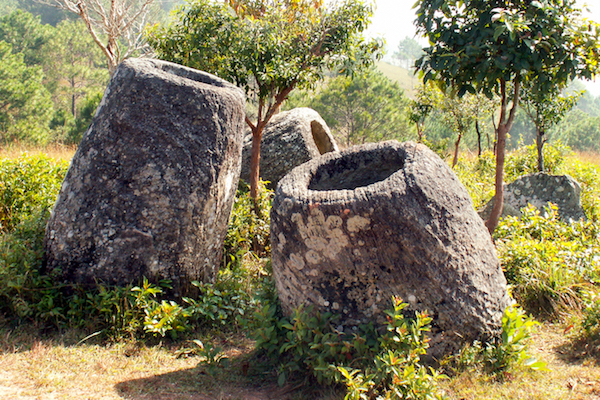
x=407 y=81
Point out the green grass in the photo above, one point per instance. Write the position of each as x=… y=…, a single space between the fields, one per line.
x=43 y=351
x=406 y=79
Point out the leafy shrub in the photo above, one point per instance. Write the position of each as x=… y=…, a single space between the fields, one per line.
x=24 y=290
x=547 y=261
x=249 y=226
x=28 y=184
x=588 y=176
x=396 y=372
x=123 y=311
x=505 y=353
x=367 y=363
x=220 y=303
x=590 y=324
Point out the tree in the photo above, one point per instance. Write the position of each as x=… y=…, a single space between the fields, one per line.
x=74 y=64
x=267 y=47
x=408 y=51
x=546 y=110
x=365 y=108
x=8 y=6
x=481 y=46
x=116 y=26
x=26 y=34
x=25 y=105
x=48 y=14
x=461 y=114
x=579 y=131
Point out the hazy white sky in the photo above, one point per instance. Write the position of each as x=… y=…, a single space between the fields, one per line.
x=394 y=20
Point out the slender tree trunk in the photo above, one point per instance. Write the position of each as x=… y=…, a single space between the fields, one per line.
x=495 y=134
x=494 y=217
x=504 y=125
x=539 y=141
x=456 y=146
x=73 y=97
x=478 y=138
x=255 y=163
x=487 y=134
x=257 y=131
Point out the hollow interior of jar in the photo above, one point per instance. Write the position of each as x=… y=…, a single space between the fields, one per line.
x=358 y=169
x=321 y=138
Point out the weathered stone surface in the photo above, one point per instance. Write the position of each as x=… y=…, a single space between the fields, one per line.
x=350 y=230
x=290 y=139
x=151 y=186
x=539 y=190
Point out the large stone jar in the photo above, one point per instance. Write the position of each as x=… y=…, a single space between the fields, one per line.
x=151 y=186
x=350 y=230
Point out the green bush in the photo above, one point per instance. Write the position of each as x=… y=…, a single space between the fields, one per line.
x=590 y=325
x=588 y=176
x=504 y=353
x=546 y=261
x=367 y=363
x=28 y=184
x=249 y=226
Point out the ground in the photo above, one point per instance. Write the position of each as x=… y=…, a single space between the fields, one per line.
x=48 y=369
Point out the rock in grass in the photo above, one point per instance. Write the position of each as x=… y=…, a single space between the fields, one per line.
x=540 y=190
x=290 y=139
x=151 y=186
x=350 y=230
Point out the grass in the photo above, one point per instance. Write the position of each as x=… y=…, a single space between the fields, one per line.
x=588 y=157
x=56 y=150
x=55 y=368
x=59 y=366
x=573 y=373
x=406 y=79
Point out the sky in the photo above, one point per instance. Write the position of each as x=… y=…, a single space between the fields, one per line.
x=394 y=20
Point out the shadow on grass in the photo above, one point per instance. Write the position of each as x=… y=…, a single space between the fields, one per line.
x=226 y=384
x=578 y=351
x=195 y=384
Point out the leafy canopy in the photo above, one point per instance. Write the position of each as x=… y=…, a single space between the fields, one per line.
x=476 y=44
x=546 y=110
x=267 y=45
x=25 y=104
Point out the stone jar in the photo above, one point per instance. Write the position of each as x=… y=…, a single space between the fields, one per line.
x=291 y=138
x=151 y=186
x=350 y=230
x=539 y=190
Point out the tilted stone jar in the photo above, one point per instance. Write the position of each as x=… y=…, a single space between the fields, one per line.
x=151 y=186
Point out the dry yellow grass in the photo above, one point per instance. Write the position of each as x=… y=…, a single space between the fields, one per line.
x=572 y=374
x=31 y=368
x=57 y=151
x=590 y=157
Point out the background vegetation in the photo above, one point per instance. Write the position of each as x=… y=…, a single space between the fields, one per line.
x=52 y=80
